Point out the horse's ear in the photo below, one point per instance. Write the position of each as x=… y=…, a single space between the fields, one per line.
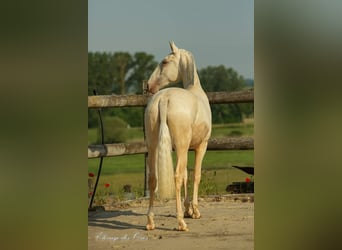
x=173 y=47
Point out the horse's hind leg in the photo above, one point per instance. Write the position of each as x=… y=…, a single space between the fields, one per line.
x=152 y=182
x=186 y=195
x=200 y=152
x=182 y=158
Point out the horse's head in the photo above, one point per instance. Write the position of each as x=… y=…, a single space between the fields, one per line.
x=166 y=72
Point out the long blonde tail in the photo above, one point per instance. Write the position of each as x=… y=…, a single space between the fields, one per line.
x=166 y=181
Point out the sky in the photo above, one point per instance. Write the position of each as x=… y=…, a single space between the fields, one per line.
x=217 y=32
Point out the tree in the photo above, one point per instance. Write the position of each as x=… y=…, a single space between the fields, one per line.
x=120 y=64
x=121 y=73
x=99 y=77
x=143 y=66
x=114 y=130
x=107 y=72
x=219 y=78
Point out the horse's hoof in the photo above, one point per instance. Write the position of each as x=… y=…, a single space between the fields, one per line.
x=150 y=227
x=188 y=214
x=184 y=229
x=195 y=213
x=196 y=216
x=182 y=226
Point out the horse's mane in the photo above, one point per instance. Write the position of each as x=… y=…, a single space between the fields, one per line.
x=188 y=68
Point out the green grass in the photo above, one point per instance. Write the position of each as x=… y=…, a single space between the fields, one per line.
x=231 y=129
x=92 y=135
x=221 y=130
x=212 y=182
x=118 y=164
x=217 y=172
x=133 y=135
x=135 y=163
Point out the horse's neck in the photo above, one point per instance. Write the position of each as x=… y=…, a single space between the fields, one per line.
x=192 y=84
x=189 y=75
x=197 y=89
x=190 y=80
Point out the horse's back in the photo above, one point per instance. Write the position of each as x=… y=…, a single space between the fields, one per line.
x=188 y=116
x=181 y=104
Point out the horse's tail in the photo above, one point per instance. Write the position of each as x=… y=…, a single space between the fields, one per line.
x=166 y=182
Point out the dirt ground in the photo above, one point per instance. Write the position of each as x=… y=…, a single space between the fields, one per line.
x=227 y=222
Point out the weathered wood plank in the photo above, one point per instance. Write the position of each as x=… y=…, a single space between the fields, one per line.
x=227 y=143
x=231 y=143
x=108 y=101
x=116 y=149
x=231 y=97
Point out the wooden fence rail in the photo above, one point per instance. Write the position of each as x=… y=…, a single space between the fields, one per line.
x=109 y=101
x=226 y=143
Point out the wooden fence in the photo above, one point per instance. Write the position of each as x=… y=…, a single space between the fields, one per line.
x=109 y=101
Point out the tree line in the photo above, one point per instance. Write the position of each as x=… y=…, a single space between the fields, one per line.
x=123 y=73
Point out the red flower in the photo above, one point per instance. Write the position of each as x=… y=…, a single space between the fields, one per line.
x=90 y=193
x=91 y=175
x=107 y=185
x=248 y=179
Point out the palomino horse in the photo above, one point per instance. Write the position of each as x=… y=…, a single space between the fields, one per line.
x=178 y=118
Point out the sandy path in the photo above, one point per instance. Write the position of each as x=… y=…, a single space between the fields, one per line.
x=227 y=223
